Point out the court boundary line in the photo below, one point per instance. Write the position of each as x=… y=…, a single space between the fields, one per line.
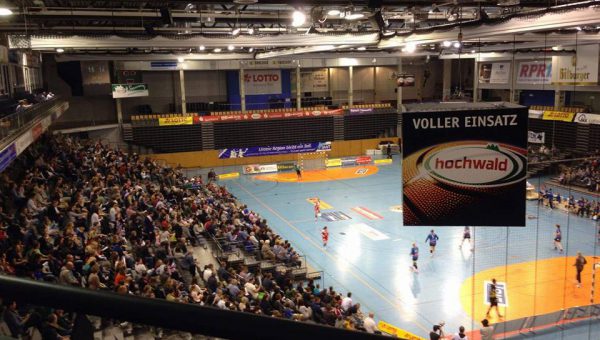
x=334 y=258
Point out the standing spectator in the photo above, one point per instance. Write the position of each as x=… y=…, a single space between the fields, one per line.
x=369 y=324
x=437 y=333
x=580 y=262
x=487 y=331
x=460 y=335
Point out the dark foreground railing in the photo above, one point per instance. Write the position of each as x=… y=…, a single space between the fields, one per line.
x=160 y=313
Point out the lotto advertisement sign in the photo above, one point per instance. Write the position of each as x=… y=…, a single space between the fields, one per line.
x=465 y=167
x=262 y=81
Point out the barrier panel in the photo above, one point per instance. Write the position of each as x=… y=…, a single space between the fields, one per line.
x=511 y=326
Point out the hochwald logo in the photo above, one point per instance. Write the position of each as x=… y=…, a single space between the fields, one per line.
x=476 y=164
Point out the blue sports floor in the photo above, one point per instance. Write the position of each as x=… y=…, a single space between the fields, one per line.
x=373 y=261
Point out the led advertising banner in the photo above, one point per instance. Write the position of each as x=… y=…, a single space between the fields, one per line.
x=256 y=151
x=464 y=168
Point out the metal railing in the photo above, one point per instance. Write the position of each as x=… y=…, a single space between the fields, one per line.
x=14 y=122
x=192 y=318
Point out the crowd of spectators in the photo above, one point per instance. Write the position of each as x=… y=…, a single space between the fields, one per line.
x=585 y=174
x=85 y=215
x=540 y=154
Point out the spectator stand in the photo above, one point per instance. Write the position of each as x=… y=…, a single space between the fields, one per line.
x=237 y=254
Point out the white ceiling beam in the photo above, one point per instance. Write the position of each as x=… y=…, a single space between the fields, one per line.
x=108 y=42
x=518 y=25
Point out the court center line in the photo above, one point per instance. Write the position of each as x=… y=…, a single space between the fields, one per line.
x=332 y=257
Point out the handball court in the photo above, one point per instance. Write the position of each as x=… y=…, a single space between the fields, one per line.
x=368 y=252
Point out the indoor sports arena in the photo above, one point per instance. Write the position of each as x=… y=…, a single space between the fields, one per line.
x=265 y=169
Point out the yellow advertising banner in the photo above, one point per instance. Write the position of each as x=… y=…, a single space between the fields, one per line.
x=229 y=175
x=170 y=121
x=397 y=332
x=333 y=162
x=383 y=161
x=558 y=115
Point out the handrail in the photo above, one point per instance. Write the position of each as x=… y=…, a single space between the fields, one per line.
x=161 y=313
x=15 y=122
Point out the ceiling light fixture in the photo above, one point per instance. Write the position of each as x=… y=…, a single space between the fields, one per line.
x=217 y=50
x=354 y=16
x=298 y=18
x=201 y=48
x=59 y=50
x=236 y=31
x=456 y=45
x=4 y=11
x=334 y=12
x=362 y=48
x=251 y=49
x=230 y=47
x=447 y=43
x=251 y=30
x=411 y=47
x=578 y=28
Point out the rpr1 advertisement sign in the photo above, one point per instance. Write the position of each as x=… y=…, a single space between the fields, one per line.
x=534 y=72
x=262 y=81
x=464 y=167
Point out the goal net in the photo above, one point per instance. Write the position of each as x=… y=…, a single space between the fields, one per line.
x=312 y=160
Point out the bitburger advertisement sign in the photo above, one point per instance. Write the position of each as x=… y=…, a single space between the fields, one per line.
x=464 y=167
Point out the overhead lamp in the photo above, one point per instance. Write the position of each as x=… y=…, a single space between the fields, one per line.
x=5 y=11
x=473 y=51
x=334 y=12
x=217 y=50
x=201 y=48
x=230 y=47
x=578 y=28
x=59 y=50
x=362 y=48
x=447 y=43
x=180 y=59
x=251 y=49
x=250 y=30
x=236 y=31
x=298 y=18
x=410 y=47
x=354 y=16
x=456 y=45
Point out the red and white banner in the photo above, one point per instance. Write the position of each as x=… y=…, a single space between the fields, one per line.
x=262 y=82
x=268 y=115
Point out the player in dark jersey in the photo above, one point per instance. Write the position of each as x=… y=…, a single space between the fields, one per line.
x=558 y=239
x=414 y=252
x=432 y=238
x=466 y=237
x=493 y=299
